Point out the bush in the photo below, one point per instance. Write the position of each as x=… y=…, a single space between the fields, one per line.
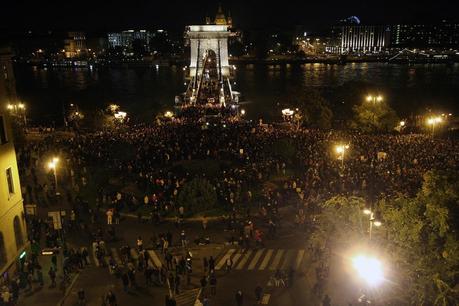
x=197 y=195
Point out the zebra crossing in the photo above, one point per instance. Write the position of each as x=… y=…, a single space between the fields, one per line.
x=114 y=253
x=263 y=259
x=188 y=297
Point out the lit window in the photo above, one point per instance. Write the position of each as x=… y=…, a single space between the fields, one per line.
x=9 y=179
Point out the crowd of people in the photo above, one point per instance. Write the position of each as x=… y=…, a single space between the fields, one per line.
x=258 y=166
x=152 y=158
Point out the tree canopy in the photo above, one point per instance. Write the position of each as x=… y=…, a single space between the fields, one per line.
x=374 y=117
x=314 y=109
x=419 y=235
x=197 y=195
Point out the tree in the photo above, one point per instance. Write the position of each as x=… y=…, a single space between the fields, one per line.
x=341 y=219
x=197 y=195
x=422 y=237
x=419 y=236
x=313 y=108
x=374 y=117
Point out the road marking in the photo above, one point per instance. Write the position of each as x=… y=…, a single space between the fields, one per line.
x=265 y=299
x=276 y=260
x=155 y=258
x=288 y=258
x=224 y=258
x=255 y=259
x=134 y=254
x=188 y=297
x=235 y=259
x=265 y=261
x=299 y=258
x=244 y=260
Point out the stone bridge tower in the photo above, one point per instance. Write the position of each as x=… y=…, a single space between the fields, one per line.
x=209 y=37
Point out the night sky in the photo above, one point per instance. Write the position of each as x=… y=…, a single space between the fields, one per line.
x=110 y=15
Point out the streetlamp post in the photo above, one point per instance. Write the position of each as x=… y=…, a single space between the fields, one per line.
x=374 y=99
x=373 y=220
x=53 y=165
x=341 y=149
x=18 y=110
x=433 y=121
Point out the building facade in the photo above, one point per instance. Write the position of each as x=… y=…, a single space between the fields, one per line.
x=75 y=44
x=12 y=219
x=125 y=39
x=443 y=34
x=361 y=39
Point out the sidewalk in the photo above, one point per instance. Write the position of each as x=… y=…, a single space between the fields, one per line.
x=45 y=296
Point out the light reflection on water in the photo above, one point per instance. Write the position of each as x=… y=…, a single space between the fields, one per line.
x=146 y=91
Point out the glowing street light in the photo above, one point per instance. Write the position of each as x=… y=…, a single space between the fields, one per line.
x=120 y=115
x=373 y=220
x=402 y=123
x=433 y=121
x=340 y=150
x=168 y=114
x=52 y=165
x=113 y=108
x=287 y=112
x=242 y=112
x=370 y=269
x=18 y=109
x=374 y=99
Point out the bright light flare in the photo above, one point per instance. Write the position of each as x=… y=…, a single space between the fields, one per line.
x=168 y=114
x=113 y=107
x=369 y=269
x=242 y=112
x=378 y=98
x=434 y=120
x=53 y=163
x=341 y=148
x=287 y=112
x=120 y=115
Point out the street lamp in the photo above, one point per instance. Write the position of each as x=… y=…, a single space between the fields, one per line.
x=370 y=269
x=287 y=113
x=374 y=99
x=120 y=116
x=373 y=220
x=18 y=109
x=242 y=112
x=341 y=149
x=433 y=121
x=52 y=165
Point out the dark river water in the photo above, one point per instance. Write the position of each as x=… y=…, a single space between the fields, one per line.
x=143 y=92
